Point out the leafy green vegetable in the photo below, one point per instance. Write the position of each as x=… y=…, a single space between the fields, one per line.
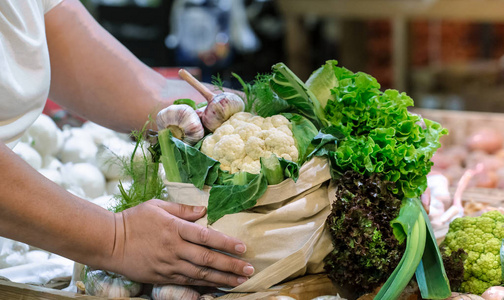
x=272 y=170
x=143 y=170
x=232 y=198
x=409 y=225
x=381 y=136
x=184 y=163
x=261 y=99
x=366 y=251
x=430 y=274
x=189 y=102
x=454 y=266
x=217 y=82
x=304 y=131
x=322 y=81
x=290 y=88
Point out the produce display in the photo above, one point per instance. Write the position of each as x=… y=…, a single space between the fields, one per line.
x=86 y=161
x=372 y=158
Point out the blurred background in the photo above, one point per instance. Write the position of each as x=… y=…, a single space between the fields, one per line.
x=446 y=54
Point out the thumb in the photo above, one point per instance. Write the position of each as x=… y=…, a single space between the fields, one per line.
x=186 y=212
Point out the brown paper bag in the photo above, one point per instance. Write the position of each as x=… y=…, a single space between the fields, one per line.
x=285 y=231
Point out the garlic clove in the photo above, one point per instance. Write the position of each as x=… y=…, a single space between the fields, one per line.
x=174 y=292
x=222 y=107
x=183 y=122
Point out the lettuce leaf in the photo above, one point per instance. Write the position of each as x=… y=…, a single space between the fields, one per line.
x=380 y=135
x=321 y=81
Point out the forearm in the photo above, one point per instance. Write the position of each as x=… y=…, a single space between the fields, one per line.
x=98 y=78
x=38 y=212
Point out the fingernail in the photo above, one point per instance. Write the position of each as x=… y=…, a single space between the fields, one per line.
x=240 y=248
x=198 y=209
x=241 y=279
x=248 y=270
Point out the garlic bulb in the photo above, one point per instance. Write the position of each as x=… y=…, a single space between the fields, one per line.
x=106 y=284
x=173 y=292
x=220 y=109
x=182 y=121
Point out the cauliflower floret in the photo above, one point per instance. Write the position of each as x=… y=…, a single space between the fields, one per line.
x=247 y=130
x=240 y=142
x=208 y=145
x=285 y=129
x=223 y=130
x=236 y=165
x=229 y=148
x=254 y=147
x=250 y=165
x=256 y=120
x=279 y=120
x=242 y=116
x=267 y=125
x=280 y=143
x=239 y=119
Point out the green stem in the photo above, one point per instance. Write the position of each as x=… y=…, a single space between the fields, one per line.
x=168 y=157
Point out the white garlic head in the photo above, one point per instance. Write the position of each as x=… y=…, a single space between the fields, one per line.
x=183 y=122
x=174 y=292
x=220 y=109
x=106 y=284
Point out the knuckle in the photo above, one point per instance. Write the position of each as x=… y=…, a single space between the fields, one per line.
x=202 y=273
x=208 y=258
x=180 y=280
x=190 y=281
x=204 y=235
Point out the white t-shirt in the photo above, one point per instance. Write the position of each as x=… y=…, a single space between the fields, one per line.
x=24 y=65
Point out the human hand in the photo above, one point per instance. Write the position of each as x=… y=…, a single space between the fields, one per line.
x=157 y=242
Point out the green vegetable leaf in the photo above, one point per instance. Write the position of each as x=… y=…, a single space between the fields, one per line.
x=430 y=273
x=201 y=104
x=189 y=102
x=146 y=183
x=325 y=141
x=290 y=168
x=261 y=99
x=410 y=224
x=230 y=198
x=322 y=81
x=304 y=131
x=184 y=163
x=381 y=136
x=290 y=88
x=272 y=170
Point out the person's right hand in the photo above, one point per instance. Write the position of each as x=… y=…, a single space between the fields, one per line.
x=157 y=242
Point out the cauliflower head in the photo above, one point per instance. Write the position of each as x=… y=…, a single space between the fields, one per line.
x=481 y=238
x=240 y=142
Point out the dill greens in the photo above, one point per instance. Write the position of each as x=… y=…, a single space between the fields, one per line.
x=260 y=98
x=143 y=170
x=217 y=82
